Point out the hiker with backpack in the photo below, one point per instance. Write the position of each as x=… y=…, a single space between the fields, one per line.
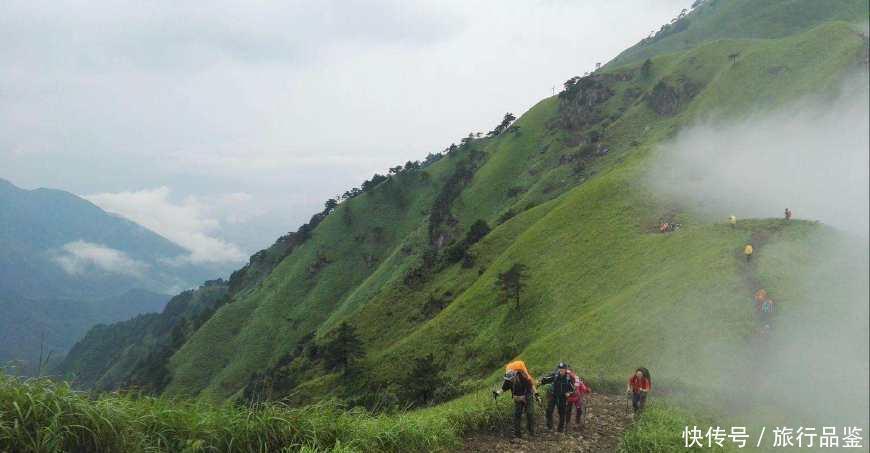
x=518 y=380
x=787 y=214
x=638 y=387
x=563 y=387
x=748 y=251
x=576 y=401
x=767 y=309
x=732 y=220
x=759 y=297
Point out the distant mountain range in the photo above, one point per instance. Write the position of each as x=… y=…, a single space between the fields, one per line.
x=65 y=265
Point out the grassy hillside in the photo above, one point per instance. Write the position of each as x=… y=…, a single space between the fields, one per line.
x=135 y=353
x=581 y=222
x=132 y=353
x=709 y=20
x=564 y=192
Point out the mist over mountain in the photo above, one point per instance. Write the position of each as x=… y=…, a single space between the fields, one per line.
x=66 y=265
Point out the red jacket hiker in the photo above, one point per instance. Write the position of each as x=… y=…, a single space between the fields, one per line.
x=580 y=389
x=637 y=384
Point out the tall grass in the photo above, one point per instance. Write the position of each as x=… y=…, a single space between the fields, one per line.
x=42 y=416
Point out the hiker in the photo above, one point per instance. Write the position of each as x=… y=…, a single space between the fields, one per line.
x=522 y=388
x=747 y=250
x=732 y=220
x=639 y=386
x=787 y=214
x=563 y=387
x=760 y=297
x=577 y=399
x=767 y=309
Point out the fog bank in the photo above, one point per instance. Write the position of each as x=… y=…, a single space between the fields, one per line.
x=810 y=156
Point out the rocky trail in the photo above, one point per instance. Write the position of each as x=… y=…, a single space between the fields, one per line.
x=608 y=417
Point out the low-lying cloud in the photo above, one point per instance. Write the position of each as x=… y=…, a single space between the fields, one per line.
x=188 y=222
x=82 y=257
x=811 y=157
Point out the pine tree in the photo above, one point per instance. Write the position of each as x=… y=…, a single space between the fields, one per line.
x=512 y=282
x=423 y=379
x=344 y=349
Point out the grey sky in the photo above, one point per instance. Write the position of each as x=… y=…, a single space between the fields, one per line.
x=225 y=124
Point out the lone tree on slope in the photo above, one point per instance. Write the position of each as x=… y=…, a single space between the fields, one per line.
x=512 y=282
x=423 y=378
x=344 y=349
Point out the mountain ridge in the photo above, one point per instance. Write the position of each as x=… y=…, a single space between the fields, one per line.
x=562 y=192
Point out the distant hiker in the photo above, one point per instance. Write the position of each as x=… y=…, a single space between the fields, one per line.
x=522 y=389
x=667 y=227
x=787 y=214
x=747 y=250
x=563 y=387
x=767 y=309
x=577 y=399
x=760 y=297
x=639 y=386
x=732 y=220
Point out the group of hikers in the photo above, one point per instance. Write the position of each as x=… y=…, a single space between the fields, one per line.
x=748 y=249
x=668 y=227
x=732 y=219
x=565 y=392
x=764 y=305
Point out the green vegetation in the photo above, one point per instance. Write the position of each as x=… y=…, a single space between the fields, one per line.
x=39 y=416
x=710 y=20
x=512 y=281
x=657 y=431
x=406 y=266
x=134 y=353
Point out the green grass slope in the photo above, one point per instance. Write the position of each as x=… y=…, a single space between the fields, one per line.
x=710 y=20
x=598 y=275
x=111 y=356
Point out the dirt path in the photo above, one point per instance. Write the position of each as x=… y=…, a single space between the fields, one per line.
x=608 y=417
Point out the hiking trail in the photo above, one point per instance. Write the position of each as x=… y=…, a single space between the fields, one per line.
x=608 y=417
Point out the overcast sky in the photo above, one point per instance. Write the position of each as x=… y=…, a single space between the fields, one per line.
x=225 y=124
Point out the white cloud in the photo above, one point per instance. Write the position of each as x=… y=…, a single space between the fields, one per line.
x=80 y=257
x=290 y=102
x=188 y=223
